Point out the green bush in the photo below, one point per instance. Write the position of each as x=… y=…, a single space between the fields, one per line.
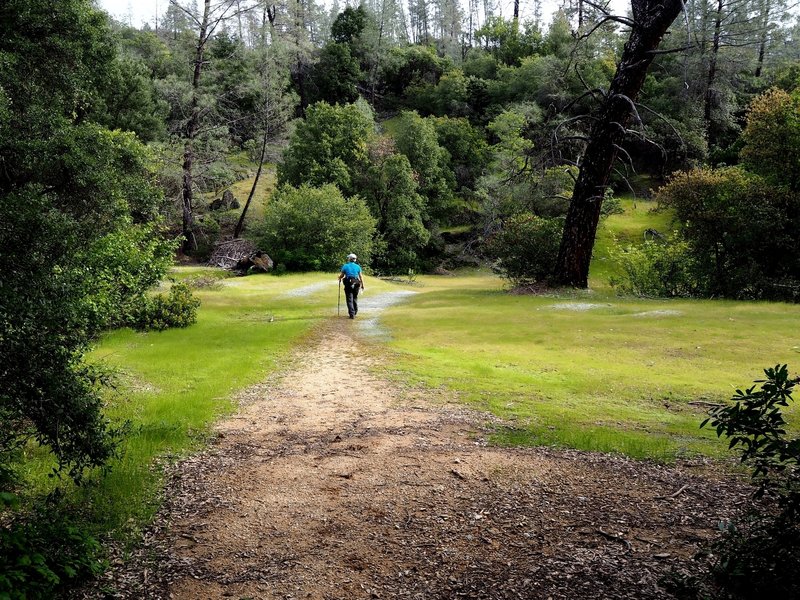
x=741 y=230
x=44 y=553
x=160 y=312
x=657 y=269
x=759 y=557
x=527 y=247
x=314 y=229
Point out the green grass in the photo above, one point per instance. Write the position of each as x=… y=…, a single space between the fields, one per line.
x=173 y=385
x=241 y=190
x=626 y=229
x=264 y=190
x=619 y=376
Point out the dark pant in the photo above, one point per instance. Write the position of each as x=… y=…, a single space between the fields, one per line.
x=351 y=296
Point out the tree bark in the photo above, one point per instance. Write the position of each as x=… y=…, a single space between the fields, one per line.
x=651 y=19
x=240 y=224
x=712 y=72
x=189 y=242
x=762 y=44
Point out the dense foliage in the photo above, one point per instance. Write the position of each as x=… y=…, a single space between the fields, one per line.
x=80 y=213
x=526 y=247
x=760 y=555
x=44 y=552
x=741 y=232
x=178 y=308
x=79 y=208
x=486 y=106
x=313 y=229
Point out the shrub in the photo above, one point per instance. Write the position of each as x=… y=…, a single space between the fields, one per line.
x=772 y=138
x=43 y=553
x=313 y=229
x=527 y=247
x=328 y=146
x=760 y=557
x=741 y=230
x=657 y=269
x=160 y=312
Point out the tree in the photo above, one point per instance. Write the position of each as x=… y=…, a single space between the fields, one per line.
x=311 y=229
x=273 y=106
x=416 y=138
x=207 y=23
x=741 y=231
x=390 y=192
x=466 y=147
x=505 y=41
x=772 y=138
x=650 y=21
x=79 y=208
x=336 y=75
x=329 y=146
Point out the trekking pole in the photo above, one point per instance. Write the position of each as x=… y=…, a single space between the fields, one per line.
x=339 y=299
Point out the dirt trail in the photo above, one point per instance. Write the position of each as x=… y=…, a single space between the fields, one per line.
x=333 y=483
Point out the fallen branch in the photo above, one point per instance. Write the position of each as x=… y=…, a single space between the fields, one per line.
x=616 y=538
x=675 y=495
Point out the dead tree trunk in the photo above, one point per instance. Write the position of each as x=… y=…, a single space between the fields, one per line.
x=712 y=74
x=192 y=126
x=651 y=19
x=240 y=223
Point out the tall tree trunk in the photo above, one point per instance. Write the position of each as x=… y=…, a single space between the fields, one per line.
x=189 y=242
x=712 y=73
x=651 y=19
x=762 y=44
x=240 y=224
x=516 y=10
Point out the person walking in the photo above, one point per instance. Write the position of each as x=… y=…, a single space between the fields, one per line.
x=350 y=275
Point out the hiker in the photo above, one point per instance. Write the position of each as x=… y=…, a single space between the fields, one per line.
x=351 y=275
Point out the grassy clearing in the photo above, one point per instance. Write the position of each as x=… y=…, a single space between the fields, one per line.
x=588 y=369
x=625 y=229
x=264 y=190
x=173 y=385
x=592 y=372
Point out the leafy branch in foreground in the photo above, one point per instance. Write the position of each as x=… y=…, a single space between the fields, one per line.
x=759 y=556
x=755 y=424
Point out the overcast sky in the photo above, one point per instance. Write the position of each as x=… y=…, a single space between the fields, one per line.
x=144 y=11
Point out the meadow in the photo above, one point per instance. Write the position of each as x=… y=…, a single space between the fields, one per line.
x=580 y=369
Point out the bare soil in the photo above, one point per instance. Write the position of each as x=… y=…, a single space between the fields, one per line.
x=333 y=483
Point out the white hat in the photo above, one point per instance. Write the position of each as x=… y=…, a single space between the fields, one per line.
x=351 y=257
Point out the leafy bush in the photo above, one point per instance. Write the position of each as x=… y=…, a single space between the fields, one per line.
x=42 y=553
x=657 y=269
x=313 y=229
x=390 y=191
x=160 y=312
x=527 y=247
x=741 y=232
x=772 y=138
x=328 y=146
x=760 y=557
